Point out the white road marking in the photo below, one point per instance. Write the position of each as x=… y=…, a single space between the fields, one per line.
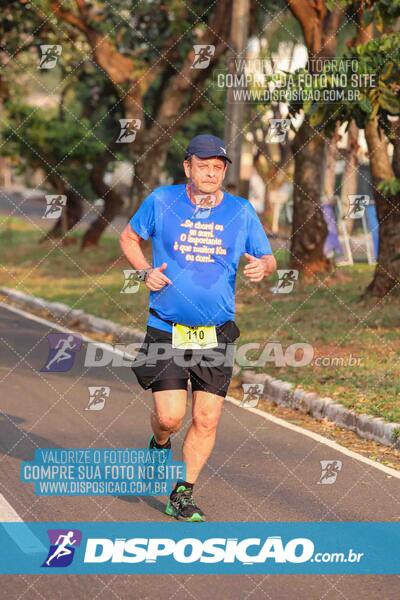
x=63 y=329
x=50 y=324
x=318 y=438
x=22 y=536
x=7 y=513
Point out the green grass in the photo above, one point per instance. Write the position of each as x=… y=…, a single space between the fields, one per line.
x=329 y=315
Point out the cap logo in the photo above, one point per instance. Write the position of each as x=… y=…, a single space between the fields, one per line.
x=223 y=149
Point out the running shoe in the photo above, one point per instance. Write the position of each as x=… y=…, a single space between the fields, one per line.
x=181 y=505
x=152 y=444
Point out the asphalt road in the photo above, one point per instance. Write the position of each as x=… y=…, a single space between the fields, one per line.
x=30 y=205
x=259 y=471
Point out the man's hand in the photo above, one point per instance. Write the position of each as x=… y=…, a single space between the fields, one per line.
x=156 y=279
x=257 y=268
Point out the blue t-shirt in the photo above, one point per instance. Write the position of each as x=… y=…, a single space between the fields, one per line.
x=202 y=249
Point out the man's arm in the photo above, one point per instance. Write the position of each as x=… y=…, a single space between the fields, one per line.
x=258 y=268
x=130 y=243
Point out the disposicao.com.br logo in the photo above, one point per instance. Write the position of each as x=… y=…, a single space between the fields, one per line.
x=248 y=551
x=365 y=547
x=214 y=548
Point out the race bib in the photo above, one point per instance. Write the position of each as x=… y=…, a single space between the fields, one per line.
x=194 y=338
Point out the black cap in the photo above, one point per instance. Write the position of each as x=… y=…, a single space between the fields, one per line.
x=206 y=146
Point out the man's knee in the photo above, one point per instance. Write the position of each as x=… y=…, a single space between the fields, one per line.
x=169 y=422
x=206 y=422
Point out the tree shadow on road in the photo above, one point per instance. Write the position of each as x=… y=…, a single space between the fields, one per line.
x=151 y=501
x=15 y=442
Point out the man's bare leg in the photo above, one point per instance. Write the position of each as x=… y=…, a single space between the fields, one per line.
x=168 y=413
x=200 y=437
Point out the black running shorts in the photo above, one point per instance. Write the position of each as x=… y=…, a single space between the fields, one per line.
x=158 y=366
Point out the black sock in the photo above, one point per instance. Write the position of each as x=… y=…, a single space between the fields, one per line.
x=188 y=486
x=160 y=446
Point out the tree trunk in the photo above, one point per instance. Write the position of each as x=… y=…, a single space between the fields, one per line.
x=262 y=164
x=320 y=28
x=387 y=273
x=148 y=169
x=112 y=203
x=266 y=215
x=235 y=112
x=350 y=173
x=329 y=178
x=309 y=226
x=396 y=150
x=112 y=208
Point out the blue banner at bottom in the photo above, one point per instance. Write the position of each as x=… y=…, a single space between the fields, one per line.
x=206 y=548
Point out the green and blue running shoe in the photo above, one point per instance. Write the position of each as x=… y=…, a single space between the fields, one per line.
x=181 y=505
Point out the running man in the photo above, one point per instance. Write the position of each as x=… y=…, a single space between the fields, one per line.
x=357 y=208
x=192 y=303
x=287 y=279
x=55 y=205
x=131 y=281
x=204 y=55
x=50 y=55
x=63 y=346
x=98 y=396
x=130 y=128
x=62 y=544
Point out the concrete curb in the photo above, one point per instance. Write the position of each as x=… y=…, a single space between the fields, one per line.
x=68 y=317
x=285 y=394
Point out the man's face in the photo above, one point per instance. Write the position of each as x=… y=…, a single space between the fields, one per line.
x=207 y=174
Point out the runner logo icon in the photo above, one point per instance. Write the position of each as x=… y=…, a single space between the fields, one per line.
x=329 y=471
x=97 y=396
x=50 y=55
x=203 y=55
x=357 y=205
x=129 y=129
x=252 y=392
x=63 y=347
x=62 y=547
x=277 y=131
x=54 y=206
x=286 y=281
